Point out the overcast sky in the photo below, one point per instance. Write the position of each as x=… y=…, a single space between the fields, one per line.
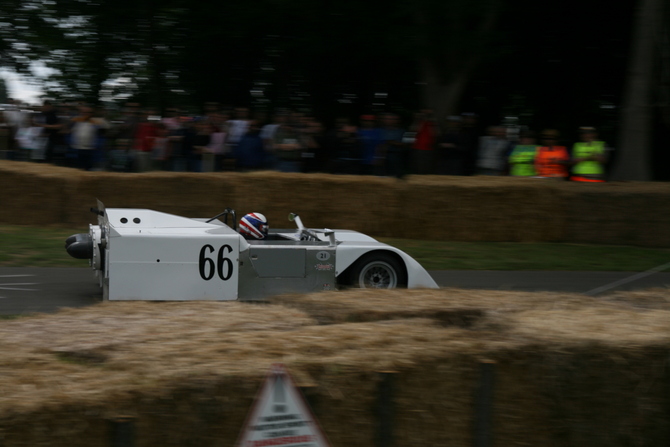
x=19 y=88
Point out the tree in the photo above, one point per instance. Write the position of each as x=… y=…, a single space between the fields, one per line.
x=633 y=160
x=452 y=39
x=21 y=38
x=4 y=95
x=101 y=42
x=336 y=58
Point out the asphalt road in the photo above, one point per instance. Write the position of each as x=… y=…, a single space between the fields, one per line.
x=28 y=290
x=32 y=289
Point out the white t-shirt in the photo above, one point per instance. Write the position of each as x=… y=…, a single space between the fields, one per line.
x=492 y=153
x=84 y=135
x=30 y=138
x=237 y=130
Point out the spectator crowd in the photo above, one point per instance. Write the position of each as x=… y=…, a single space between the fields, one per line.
x=135 y=139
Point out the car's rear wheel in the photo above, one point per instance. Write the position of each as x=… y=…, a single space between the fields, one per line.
x=378 y=271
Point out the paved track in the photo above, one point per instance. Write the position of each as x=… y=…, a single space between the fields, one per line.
x=27 y=290
x=535 y=281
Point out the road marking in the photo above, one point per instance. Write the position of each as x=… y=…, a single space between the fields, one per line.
x=18 y=288
x=4 y=286
x=623 y=281
x=19 y=284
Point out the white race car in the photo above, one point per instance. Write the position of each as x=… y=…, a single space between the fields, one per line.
x=139 y=254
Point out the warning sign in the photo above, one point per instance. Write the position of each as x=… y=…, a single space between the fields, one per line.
x=280 y=416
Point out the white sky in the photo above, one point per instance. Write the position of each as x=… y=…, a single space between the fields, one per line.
x=18 y=88
x=29 y=90
x=21 y=88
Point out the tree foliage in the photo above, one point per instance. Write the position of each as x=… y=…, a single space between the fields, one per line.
x=553 y=64
x=4 y=96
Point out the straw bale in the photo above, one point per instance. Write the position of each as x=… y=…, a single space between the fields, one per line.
x=434 y=402
x=322 y=201
x=127 y=339
x=549 y=342
x=581 y=395
x=364 y=203
x=633 y=328
x=31 y=193
x=491 y=209
x=72 y=427
x=450 y=307
x=336 y=358
x=631 y=213
x=653 y=298
x=426 y=207
x=570 y=370
x=185 y=194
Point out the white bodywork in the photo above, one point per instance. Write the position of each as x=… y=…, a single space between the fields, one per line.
x=141 y=254
x=353 y=245
x=157 y=256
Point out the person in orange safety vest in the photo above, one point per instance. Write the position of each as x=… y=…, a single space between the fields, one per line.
x=552 y=161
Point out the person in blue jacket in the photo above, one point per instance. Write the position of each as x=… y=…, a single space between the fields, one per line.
x=250 y=152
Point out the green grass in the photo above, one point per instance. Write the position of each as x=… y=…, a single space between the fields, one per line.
x=45 y=247
x=439 y=255
x=36 y=247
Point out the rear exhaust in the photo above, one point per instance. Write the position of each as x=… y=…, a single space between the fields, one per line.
x=80 y=246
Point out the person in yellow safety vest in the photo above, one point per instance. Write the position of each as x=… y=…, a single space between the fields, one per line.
x=522 y=158
x=588 y=157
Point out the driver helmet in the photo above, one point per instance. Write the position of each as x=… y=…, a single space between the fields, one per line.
x=254 y=225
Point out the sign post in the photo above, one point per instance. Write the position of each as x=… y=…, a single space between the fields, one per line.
x=280 y=416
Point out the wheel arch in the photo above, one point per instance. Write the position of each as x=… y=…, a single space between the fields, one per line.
x=345 y=279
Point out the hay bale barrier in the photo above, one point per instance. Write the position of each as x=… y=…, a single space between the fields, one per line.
x=569 y=370
x=425 y=207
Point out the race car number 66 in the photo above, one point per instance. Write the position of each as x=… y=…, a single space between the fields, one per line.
x=223 y=266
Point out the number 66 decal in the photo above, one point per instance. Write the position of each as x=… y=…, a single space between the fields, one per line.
x=223 y=266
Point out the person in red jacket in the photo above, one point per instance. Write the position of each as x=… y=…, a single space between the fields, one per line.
x=552 y=161
x=424 y=143
x=144 y=142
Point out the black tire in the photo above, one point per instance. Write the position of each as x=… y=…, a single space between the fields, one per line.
x=377 y=271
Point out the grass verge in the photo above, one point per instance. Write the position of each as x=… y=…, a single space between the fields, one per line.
x=441 y=255
x=22 y=246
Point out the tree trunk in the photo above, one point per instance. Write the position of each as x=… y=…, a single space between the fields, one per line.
x=633 y=160
x=440 y=96
x=664 y=80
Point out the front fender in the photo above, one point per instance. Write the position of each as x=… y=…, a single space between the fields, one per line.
x=350 y=251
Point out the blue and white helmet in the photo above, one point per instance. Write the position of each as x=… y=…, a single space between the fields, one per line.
x=254 y=225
